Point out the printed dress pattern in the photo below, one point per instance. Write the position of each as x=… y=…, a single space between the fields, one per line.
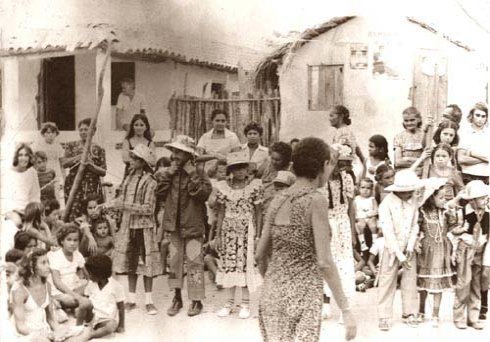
x=236 y=261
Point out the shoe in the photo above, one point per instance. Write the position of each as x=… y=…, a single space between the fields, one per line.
x=129 y=306
x=420 y=317
x=175 y=308
x=435 y=322
x=384 y=324
x=326 y=311
x=195 y=308
x=244 y=312
x=476 y=325
x=151 y=309
x=460 y=325
x=411 y=321
x=225 y=311
x=483 y=316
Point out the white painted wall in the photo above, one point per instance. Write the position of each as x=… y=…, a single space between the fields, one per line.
x=85 y=86
x=375 y=104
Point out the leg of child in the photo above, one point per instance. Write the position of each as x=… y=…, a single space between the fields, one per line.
x=372 y=224
x=423 y=299
x=84 y=311
x=148 y=283
x=103 y=329
x=360 y=226
x=408 y=288
x=132 y=281
x=387 y=280
x=211 y=265
x=437 y=304
x=245 y=306
x=485 y=280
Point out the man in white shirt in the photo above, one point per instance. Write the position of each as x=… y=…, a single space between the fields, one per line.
x=129 y=103
x=398 y=219
x=257 y=154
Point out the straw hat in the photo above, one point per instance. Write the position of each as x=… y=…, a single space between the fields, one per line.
x=236 y=158
x=430 y=185
x=345 y=151
x=183 y=143
x=474 y=189
x=285 y=177
x=405 y=180
x=144 y=152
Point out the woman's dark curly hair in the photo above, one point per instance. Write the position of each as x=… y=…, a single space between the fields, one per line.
x=309 y=157
x=284 y=150
x=253 y=126
x=27 y=265
x=444 y=125
x=28 y=149
x=67 y=229
x=344 y=112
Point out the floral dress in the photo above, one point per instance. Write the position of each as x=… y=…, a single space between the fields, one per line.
x=90 y=184
x=338 y=192
x=435 y=273
x=291 y=300
x=236 y=260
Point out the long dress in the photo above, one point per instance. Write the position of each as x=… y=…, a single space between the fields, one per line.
x=236 y=261
x=435 y=273
x=90 y=184
x=291 y=300
x=337 y=192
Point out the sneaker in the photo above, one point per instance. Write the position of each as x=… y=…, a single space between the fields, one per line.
x=129 y=306
x=195 y=308
x=225 y=311
x=476 y=325
x=175 y=308
x=151 y=309
x=384 y=324
x=326 y=311
x=244 y=312
x=435 y=322
x=411 y=321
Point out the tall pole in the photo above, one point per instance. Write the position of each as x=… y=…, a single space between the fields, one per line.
x=86 y=148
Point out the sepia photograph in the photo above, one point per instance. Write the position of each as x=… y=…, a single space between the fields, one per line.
x=244 y=170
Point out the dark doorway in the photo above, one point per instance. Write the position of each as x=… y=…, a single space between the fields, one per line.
x=120 y=71
x=58 y=82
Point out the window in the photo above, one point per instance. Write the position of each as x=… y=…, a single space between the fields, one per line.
x=120 y=71
x=217 y=90
x=325 y=86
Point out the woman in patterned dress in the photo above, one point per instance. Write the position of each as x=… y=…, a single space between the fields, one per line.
x=298 y=232
x=94 y=170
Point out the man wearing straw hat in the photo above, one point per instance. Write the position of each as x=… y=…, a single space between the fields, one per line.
x=185 y=189
x=398 y=219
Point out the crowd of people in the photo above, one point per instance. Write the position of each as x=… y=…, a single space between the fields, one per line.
x=302 y=221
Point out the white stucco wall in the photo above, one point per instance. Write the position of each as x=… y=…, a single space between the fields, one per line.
x=85 y=90
x=375 y=104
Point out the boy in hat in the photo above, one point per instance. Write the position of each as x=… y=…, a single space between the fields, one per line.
x=473 y=237
x=185 y=189
x=398 y=219
x=283 y=180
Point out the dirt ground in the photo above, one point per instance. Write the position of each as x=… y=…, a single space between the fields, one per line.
x=209 y=327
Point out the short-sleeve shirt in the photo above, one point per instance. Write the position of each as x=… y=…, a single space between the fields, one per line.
x=68 y=269
x=378 y=247
x=259 y=157
x=105 y=300
x=223 y=145
x=54 y=152
x=471 y=139
x=130 y=106
x=410 y=144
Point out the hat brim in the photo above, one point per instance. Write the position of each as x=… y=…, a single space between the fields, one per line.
x=181 y=147
x=150 y=164
x=478 y=195
x=396 y=188
x=245 y=163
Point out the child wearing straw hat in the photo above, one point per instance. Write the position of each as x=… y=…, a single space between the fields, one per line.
x=239 y=215
x=185 y=188
x=471 y=272
x=398 y=219
x=137 y=237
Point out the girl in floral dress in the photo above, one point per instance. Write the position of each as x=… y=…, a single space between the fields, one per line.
x=339 y=192
x=239 y=215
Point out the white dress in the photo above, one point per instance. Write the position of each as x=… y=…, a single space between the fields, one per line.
x=341 y=243
x=19 y=189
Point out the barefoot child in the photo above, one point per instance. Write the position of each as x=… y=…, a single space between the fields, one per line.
x=106 y=296
x=66 y=263
x=239 y=215
x=469 y=256
x=398 y=217
x=366 y=210
x=435 y=274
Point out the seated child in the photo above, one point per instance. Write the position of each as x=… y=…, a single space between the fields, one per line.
x=366 y=211
x=47 y=177
x=106 y=315
x=105 y=242
x=66 y=264
x=52 y=215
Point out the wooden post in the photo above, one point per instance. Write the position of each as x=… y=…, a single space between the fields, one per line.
x=93 y=125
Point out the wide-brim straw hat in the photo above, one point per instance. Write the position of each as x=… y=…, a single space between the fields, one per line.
x=285 y=177
x=430 y=186
x=474 y=189
x=237 y=158
x=405 y=181
x=144 y=152
x=183 y=143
